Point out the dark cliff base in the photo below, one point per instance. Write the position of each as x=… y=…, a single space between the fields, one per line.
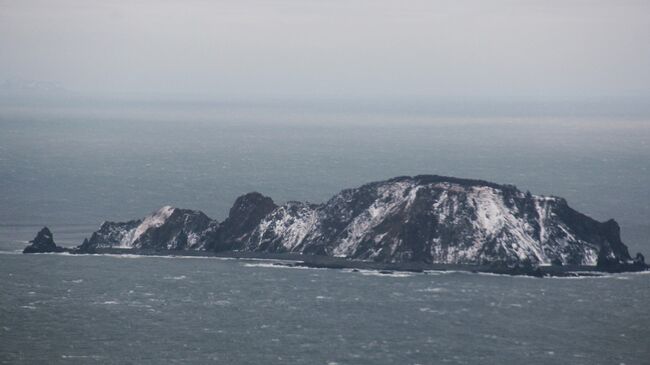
x=328 y=262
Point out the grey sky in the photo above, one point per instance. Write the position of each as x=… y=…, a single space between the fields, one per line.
x=542 y=50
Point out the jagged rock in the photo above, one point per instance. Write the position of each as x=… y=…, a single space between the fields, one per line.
x=244 y=216
x=168 y=228
x=639 y=259
x=43 y=242
x=283 y=229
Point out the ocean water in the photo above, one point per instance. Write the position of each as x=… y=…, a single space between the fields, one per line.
x=72 y=169
x=148 y=310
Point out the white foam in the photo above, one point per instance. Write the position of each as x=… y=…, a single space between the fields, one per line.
x=135 y=256
x=392 y=274
x=434 y=311
x=276 y=266
x=432 y=290
x=95 y=357
x=181 y=277
x=16 y=252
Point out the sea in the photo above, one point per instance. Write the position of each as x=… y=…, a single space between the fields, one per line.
x=71 y=168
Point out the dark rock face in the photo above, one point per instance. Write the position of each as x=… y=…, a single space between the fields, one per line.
x=43 y=242
x=110 y=234
x=168 y=228
x=245 y=215
x=427 y=219
x=639 y=259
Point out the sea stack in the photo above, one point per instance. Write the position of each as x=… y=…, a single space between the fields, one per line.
x=43 y=242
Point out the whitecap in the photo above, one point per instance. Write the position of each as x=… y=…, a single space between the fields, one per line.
x=137 y=256
x=77 y=281
x=265 y=264
x=392 y=274
x=432 y=290
x=95 y=357
x=16 y=252
x=593 y=275
x=281 y=266
x=181 y=277
x=219 y=302
x=440 y=272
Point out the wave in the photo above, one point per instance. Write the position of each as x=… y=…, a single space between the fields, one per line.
x=181 y=277
x=391 y=274
x=432 y=290
x=280 y=266
x=122 y=256
x=17 y=252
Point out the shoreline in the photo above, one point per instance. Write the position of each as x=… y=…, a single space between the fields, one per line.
x=329 y=262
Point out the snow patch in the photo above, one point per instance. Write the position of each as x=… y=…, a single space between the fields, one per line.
x=155 y=220
x=128 y=238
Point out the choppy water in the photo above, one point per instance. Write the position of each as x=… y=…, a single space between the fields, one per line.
x=148 y=310
x=71 y=171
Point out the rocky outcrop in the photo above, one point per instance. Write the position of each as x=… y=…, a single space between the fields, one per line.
x=181 y=229
x=244 y=216
x=168 y=228
x=426 y=219
x=43 y=242
x=440 y=220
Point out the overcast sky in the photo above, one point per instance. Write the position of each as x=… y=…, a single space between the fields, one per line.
x=484 y=49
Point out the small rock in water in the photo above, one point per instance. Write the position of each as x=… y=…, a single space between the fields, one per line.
x=43 y=242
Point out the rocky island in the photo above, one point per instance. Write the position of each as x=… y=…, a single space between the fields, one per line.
x=43 y=242
x=411 y=223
